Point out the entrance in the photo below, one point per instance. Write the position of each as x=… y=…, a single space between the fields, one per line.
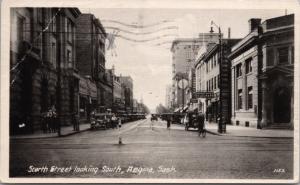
x=282 y=105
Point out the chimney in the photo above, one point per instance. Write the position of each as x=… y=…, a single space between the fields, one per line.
x=229 y=32
x=253 y=24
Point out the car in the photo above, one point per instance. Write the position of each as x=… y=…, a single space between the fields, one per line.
x=99 y=120
x=190 y=121
x=154 y=117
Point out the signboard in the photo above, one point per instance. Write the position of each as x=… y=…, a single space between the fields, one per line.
x=193 y=100
x=203 y=94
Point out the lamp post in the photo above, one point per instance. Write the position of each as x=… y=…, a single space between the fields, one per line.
x=221 y=125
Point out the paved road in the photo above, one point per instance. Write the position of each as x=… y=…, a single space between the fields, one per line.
x=155 y=153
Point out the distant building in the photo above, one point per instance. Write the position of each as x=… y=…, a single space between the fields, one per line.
x=168 y=98
x=184 y=53
x=118 y=95
x=127 y=84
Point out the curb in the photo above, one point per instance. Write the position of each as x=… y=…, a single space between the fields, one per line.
x=215 y=133
x=47 y=137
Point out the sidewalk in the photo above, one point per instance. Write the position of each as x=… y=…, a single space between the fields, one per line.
x=65 y=131
x=240 y=131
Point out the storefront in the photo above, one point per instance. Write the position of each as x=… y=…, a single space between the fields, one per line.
x=87 y=97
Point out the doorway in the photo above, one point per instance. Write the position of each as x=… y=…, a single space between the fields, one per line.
x=282 y=105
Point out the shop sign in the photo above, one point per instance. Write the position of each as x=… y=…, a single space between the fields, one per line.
x=203 y=94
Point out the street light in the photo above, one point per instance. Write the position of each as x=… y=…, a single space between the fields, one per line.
x=221 y=126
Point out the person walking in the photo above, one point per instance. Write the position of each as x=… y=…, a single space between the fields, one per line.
x=201 y=125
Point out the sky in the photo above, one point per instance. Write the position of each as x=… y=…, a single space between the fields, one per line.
x=150 y=65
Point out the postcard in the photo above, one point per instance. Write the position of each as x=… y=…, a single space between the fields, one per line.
x=150 y=91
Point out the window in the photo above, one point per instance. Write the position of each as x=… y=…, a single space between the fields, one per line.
x=238 y=70
x=292 y=54
x=40 y=16
x=215 y=61
x=69 y=58
x=53 y=13
x=248 y=65
x=53 y=54
x=250 y=98
x=207 y=86
x=218 y=81
x=20 y=28
x=69 y=31
x=240 y=99
x=283 y=55
x=215 y=80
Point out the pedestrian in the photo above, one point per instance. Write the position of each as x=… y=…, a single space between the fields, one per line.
x=200 y=120
x=169 y=122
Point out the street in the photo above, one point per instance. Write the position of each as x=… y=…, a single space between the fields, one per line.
x=152 y=153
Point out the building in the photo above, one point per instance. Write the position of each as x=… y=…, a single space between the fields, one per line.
x=168 y=99
x=44 y=70
x=118 y=95
x=127 y=85
x=184 y=52
x=262 y=74
x=217 y=80
x=87 y=97
x=90 y=46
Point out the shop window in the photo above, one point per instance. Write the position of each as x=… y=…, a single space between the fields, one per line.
x=250 y=98
x=237 y=123
x=240 y=99
x=247 y=124
x=239 y=70
x=248 y=65
x=283 y=55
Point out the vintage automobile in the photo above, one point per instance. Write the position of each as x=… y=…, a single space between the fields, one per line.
x=190 y=121
x=154 y=117
x=100 y=120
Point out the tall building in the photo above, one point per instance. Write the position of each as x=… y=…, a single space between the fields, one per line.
x=262 y=74
x=44 y=69
x=184 y=53
x=90 y=46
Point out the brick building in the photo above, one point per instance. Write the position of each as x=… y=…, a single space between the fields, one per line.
x=90 y=56
x=43 y=66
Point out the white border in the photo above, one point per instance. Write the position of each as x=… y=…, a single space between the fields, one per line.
x=172 y=4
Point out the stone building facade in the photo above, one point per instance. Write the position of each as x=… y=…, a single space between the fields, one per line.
x=263 y=74
x=43 y=66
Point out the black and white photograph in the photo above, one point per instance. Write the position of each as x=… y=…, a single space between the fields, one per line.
x=128 y=91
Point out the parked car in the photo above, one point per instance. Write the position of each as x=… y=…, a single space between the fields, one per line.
x=100 y=120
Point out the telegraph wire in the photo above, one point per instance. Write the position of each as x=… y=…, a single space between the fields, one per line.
x=137 y=26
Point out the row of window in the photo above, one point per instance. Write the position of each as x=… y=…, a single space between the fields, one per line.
x=248 y=99
x=248 y=66
x=212 y=63
x=212 y=84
